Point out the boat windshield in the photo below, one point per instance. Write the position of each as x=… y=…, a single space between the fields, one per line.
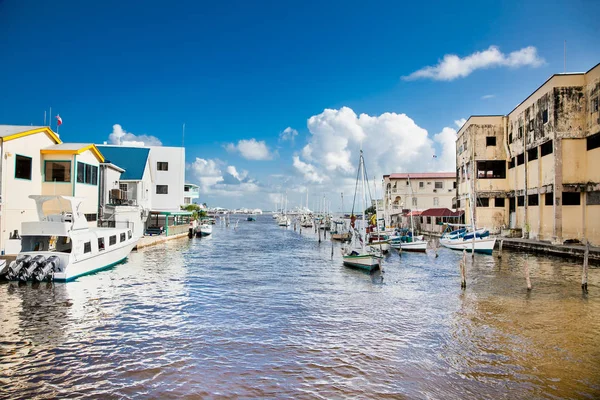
x=61 y=244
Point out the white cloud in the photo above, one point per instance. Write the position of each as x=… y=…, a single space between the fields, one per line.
x=488 y=96
x=288 y=134
x=307 y=170
x=391 y=143
x=121 y=137
x=460 y=122
x=251 y=149
x=452 y=66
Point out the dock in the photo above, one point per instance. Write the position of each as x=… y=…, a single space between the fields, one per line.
x=147 y=241
x=576 y=251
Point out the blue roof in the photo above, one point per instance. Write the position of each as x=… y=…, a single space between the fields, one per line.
x=131 y=159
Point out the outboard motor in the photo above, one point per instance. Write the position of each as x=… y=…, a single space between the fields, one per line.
x=26 y=272
x=46 y=270
x=16 y=266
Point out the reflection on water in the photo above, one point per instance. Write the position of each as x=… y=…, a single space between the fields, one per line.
x=262 y=311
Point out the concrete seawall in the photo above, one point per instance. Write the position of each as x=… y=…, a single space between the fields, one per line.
x=147 y=241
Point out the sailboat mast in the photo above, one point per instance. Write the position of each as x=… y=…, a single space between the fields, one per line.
x=362 y=166
x=412 y=215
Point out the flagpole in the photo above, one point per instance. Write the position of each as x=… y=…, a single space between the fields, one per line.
x=44 y=117
x=50 y=119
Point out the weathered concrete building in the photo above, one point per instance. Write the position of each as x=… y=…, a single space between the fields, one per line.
x=538 y=168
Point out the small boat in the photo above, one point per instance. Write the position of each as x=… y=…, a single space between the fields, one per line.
x=203 y=229
x=463 y=239
x=360 y=256
x=341 y=237
x=251 y=219
x=61 y=246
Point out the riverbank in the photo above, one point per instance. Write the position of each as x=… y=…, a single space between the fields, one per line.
x=148 y=241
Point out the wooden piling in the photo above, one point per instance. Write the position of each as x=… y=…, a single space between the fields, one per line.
x=332 y=249
x=500 y=249
x=463 y=271
x=319 y=235
x=324 y=234
x=527 y=280
x=584 y=272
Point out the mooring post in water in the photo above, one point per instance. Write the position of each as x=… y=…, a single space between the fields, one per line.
x=319 y=235
x=324 y=234
x=463 y=270
x=332 y=249
x=527 y=280
x=500 y=249
x=584 y=272
x=294 y=226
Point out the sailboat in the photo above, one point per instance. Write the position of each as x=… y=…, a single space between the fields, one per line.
x=339 y=226
x=377 y=240
x=283 y=219
x=412 y=242
x=473 y=240
x=360 y=256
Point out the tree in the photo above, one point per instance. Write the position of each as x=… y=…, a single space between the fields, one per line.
x=370 y=210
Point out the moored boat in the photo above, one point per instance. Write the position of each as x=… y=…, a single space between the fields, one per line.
x=61 y=246
x=204 y=228
x=478 y=241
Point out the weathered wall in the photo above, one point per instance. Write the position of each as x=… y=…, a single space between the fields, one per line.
x=592 y=89
x=572 y=227
x=533 y=217
x=574 y=161
x=592 y=227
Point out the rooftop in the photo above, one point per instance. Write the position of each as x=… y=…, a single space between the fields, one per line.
x=131 y=159
x=10 y=132
x=441 y=212
x=73 y=148
x=422 y=175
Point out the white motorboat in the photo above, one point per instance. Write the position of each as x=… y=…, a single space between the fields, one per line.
x=203 y=229
x=461 y=239
x=61 y=246
x=417 y=245
x=284 y=221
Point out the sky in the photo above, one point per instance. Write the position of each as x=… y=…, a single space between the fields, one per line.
x=278 y=96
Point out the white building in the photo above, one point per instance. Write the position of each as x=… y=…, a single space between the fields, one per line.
x=33 y=160
x=190 y=193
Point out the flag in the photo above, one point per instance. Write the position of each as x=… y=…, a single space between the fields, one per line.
x=58 y=120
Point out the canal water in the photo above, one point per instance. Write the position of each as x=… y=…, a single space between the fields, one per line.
x=264 y=312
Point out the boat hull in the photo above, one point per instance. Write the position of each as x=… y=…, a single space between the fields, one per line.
x=367 y=261
x=483 y=246
x=418 y=246
x=384 y=246
x=342 y=237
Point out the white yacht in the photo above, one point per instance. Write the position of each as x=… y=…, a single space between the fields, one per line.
x=61 y=246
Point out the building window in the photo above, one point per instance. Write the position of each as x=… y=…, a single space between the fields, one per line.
x=545 y=116
x=549 y=199
x=122 y=237
x=162 y=189
x=407 y=183
x=101 y=243
x=593 y=142
x=91 y=217
x=510 y=138
x=436 y=201
x=521 y=159
x=499 y=202
x=531 y=125
x=533 y=200
x=454 y=185
x=186 y=188
x=594 y=107
x=490 y=141
x=571 y=198
x=546 y=148
x=439 y=185
x=421 y=185
x=511 y=163
x=22 y=167
x=414 y=201
x=87 y=247
x=520 y=129
x=429 y=220
x=162 y=166
x=521 y=201
x=532 y=154
x=129 y=234
x=123 y=187
x=491 y=169
x=592 y=198
x=87 y=173
x=483 y=202
x=57 y=171
x=112 y=240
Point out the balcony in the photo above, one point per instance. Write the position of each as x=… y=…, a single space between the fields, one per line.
x=118 y=197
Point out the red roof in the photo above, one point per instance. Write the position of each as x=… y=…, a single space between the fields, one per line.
x=414 y=213
x=422 y=175
x=441 y=212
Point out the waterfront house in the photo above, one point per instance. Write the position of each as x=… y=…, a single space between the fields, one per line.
x=417 y=191
x=34 y=161
x=191 y=192
x=537 y=169
x=434 y=220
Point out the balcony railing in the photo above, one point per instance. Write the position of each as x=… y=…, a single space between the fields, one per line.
x=118 y=197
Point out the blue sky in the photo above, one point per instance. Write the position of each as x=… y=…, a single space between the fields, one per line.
x=246 y=71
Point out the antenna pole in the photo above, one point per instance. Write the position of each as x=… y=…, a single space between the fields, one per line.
x=565 y=56
x=183 y=135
